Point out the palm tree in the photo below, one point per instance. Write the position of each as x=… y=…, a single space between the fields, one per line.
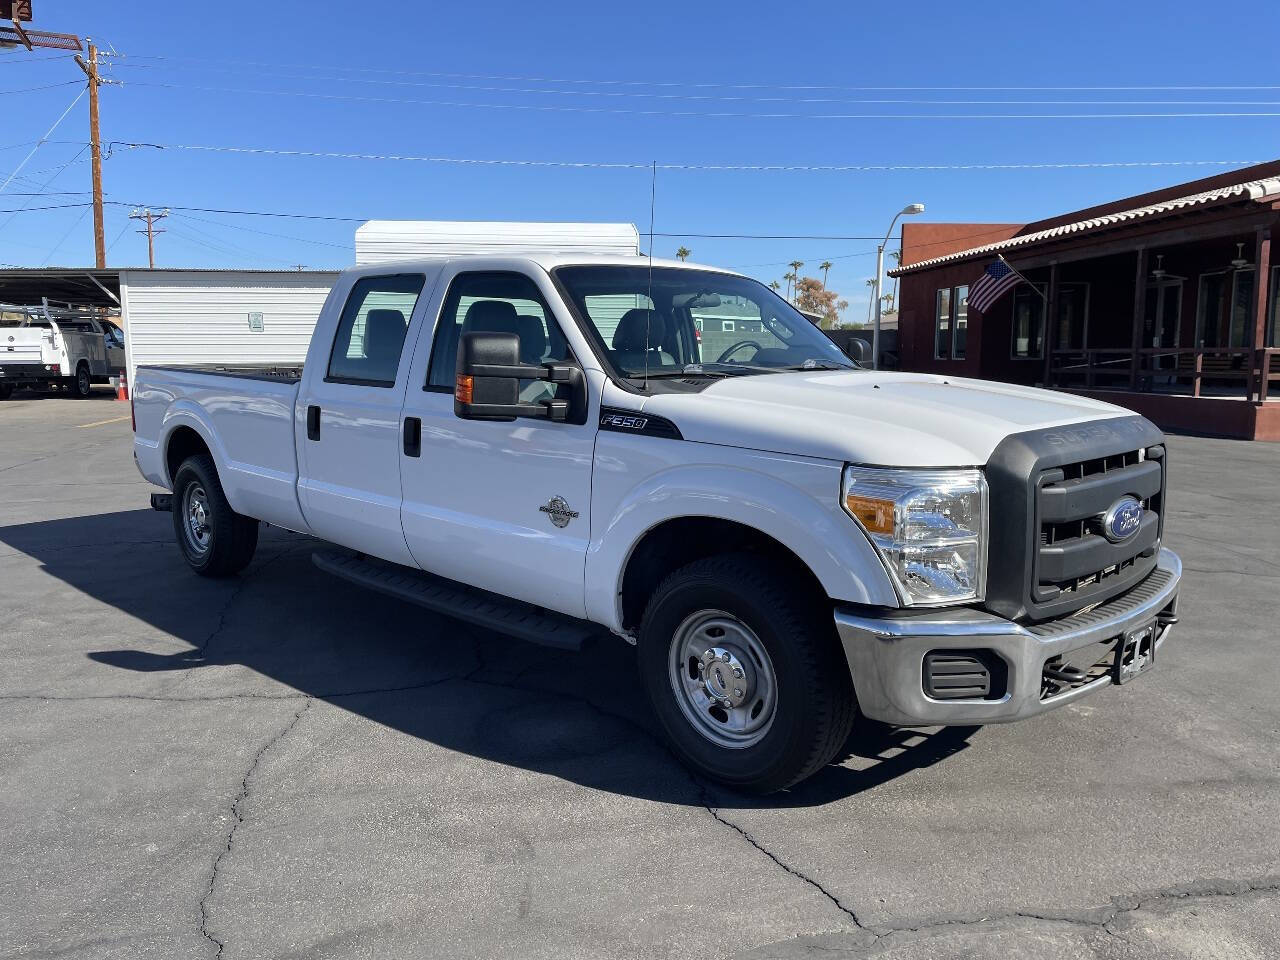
x=824 y=266
x=682 y=253
x=871 y=301
x=897 y=262
x=788 y=277
x=774 y=285
x=795 y=266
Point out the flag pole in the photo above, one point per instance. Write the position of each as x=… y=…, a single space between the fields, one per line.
x=1043 y=296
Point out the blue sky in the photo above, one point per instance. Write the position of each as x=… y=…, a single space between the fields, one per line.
x=618 y=82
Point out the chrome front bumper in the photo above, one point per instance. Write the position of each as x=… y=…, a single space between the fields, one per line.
x=886 y=654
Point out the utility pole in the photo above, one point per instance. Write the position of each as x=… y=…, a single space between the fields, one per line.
x=151 y=230
x=95 y=145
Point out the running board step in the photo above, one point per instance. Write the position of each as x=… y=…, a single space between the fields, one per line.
x=479 y=607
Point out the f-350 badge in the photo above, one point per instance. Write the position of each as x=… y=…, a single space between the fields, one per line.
x=558 y=510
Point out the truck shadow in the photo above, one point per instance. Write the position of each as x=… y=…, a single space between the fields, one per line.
x=581 y=717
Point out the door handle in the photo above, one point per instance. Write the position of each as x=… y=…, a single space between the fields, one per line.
x=412 y=437
x=313 y=423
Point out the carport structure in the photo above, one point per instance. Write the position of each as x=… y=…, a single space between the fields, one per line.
x=75 y=286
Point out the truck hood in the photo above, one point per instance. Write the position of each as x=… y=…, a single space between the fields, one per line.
x=873 y=417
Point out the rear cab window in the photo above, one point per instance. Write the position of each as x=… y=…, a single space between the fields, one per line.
x=370 y=335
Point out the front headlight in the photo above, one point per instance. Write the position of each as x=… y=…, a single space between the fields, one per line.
x=929 y=526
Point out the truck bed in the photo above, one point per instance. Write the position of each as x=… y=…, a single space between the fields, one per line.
x=244 y=413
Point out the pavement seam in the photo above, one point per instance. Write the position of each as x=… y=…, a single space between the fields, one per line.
x=237 y=820
x=1095 y=918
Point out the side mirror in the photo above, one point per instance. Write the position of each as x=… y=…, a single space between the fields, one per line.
x=487 y=381
x=858 y=350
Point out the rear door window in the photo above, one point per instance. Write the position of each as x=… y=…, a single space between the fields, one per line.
x=371 y=331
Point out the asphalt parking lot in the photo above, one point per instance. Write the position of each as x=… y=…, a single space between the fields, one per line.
x=282 y=765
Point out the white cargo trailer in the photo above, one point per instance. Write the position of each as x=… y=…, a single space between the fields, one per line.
x=380 y=241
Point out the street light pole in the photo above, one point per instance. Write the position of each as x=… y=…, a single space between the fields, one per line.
x=909 y=210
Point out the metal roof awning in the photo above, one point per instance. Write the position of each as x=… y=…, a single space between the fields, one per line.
x=83 y=286
x=1257 y=191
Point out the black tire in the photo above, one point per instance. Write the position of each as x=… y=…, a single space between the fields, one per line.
x=82 y=383
x=226 y=541
x=813 y=704
x=6 y=391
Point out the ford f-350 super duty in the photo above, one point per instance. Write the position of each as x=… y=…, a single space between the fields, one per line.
x=555 y=446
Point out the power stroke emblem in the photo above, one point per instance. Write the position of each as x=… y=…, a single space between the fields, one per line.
x=1122 y=519
x=558 y=510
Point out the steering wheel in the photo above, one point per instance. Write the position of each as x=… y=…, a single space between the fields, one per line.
x=724 y=357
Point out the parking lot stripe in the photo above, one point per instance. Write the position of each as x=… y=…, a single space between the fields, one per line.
x=101 y=423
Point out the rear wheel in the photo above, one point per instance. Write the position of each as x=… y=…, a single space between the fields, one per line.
x=745 y=673
x=82 y=384
x=215 y=540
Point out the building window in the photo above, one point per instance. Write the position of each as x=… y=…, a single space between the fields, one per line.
x=1273 y=315
x=1224 y=309
x=960 y=332
x=1028 y=321
x=942 y=325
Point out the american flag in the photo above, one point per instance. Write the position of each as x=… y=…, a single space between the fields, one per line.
x=991 y=286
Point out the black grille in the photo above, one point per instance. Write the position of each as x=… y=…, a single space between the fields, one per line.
x=1073 y=555
x=1048 y=556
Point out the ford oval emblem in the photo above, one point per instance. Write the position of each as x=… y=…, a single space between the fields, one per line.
x=1122 y=519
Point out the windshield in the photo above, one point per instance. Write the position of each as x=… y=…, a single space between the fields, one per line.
x=680 y=322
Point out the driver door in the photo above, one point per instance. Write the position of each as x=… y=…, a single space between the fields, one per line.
x=501 y=506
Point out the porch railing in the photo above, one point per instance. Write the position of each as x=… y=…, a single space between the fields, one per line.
x=1199 y=371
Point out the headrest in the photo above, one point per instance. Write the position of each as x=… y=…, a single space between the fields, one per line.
x=490 y=316
x=384 y=334
x=533 y=338
x=630 y=337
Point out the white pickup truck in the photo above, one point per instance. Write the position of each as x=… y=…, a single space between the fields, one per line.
x=556 y=446
x=46 y=350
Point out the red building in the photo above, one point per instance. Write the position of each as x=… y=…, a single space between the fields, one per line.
x=1164 y=302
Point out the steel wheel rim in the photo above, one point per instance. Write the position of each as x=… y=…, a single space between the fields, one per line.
x=82 y=380
x=722 y=679
x=195 y=518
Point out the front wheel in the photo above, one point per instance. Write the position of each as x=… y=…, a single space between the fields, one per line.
x=215 y=540
x=744 y=673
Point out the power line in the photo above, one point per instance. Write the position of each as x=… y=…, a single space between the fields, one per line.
x=40 y=142
x=719 y=167
x=47 y=86
x=735 y=98
x=178 y=61
x=742 y=115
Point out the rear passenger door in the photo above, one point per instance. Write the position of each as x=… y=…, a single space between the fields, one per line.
x=349 y=477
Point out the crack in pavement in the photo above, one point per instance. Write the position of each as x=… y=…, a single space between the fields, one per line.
x=237 y=820
x=1102 y=918
x=720 y=818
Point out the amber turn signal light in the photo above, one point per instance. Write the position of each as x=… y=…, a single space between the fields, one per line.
x=463 y=388
x=874 y=514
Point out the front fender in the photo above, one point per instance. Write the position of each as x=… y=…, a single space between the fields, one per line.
x=793 y=500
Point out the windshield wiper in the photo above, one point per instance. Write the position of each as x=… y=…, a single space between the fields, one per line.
x=820 y=365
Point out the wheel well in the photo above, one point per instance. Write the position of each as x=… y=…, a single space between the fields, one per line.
x=183 y=442
x=679 y=542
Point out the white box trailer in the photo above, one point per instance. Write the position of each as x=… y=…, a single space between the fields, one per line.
x=380 y=241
